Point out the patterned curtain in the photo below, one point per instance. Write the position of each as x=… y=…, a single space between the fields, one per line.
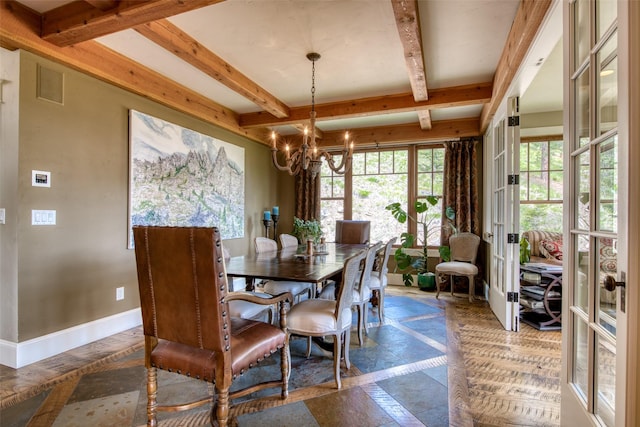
x=461 y=186
x=307 y=196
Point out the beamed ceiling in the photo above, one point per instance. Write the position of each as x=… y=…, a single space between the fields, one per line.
x=391 y=71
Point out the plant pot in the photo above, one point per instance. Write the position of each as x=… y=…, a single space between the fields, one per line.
x=426 y=281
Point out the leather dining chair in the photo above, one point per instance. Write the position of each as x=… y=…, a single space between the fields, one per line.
x=351 y=231
x=464 y=250
x=322 y=317
x=361 y=290
x=187 y=329
x=275 y=287
x=378 y=281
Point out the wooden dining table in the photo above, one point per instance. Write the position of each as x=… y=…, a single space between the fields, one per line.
x=293 y=264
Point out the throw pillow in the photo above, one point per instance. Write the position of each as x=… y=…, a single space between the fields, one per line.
x=551 y=249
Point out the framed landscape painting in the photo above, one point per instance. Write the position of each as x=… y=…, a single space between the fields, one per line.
x=180 y=177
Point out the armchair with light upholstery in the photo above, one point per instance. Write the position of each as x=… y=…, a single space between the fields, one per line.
x=322 y=317
x=378 y=281
x=464 y=250
x=264 y=245
x=184 y=301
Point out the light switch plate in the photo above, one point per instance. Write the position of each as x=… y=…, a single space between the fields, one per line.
x=40 y=217
x=2 y=214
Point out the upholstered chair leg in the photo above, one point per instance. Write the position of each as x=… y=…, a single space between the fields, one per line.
x=346 y=342
x=360 y=323
x=221 y=407
x=308 y=347
x=472 y=287
x=152 y=402
x=337 y=350
x=381 y=305
x=451 y=281
x=285 y=367
x=365 y=309
x=438 y=280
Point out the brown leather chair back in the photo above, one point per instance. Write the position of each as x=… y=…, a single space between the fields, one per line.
x=351 y=231
x=181 y=291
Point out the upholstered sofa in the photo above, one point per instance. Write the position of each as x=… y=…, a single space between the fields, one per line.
x=545 y=246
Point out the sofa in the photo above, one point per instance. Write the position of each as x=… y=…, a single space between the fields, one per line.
x=544 y=246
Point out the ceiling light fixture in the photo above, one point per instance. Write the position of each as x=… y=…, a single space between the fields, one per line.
x=308 y=156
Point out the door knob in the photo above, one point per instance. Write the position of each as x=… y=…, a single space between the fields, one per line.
x=611 y=284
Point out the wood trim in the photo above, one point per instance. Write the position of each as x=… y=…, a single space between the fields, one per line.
x=20 y=30
x=526 y=24
x=80 y=21
x=455 y=96
x=185 y=47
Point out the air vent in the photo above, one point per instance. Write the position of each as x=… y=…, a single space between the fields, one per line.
x=50 y=85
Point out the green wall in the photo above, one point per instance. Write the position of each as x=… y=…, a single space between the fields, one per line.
x=67 y=274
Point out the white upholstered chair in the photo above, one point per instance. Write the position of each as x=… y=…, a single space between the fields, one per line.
x=322 y=317
x=245 y=309
x=288 y=241
x=361 y=290
x=464 y=250
x=378 y=281
x=268 y=246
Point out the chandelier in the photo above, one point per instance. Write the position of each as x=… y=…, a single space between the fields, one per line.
x=308 y=156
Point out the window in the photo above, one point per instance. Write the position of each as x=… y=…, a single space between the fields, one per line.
x=376 y=179
x=541 y=185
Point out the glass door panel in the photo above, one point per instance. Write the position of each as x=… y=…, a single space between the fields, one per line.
x=608 y=185
x=605 y=398
x=608 y=86
x=580 y=377
x=581 y=294
x=583 y=128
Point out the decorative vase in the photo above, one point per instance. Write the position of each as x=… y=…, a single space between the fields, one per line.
x=426 y=281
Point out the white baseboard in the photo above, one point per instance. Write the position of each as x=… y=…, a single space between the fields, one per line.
x=17 y=355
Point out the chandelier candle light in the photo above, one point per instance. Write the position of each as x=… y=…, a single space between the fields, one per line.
x=308 y=156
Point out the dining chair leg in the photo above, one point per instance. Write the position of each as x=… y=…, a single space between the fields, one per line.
x=346 y=343
x=337 y=349
x=152 y=392
x=308 y=347
x=472 y=287
x=438 y=281
x=381 y=305
x=451 y=282
x=360 y=323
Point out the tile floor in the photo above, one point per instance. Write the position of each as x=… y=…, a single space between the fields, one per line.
x=399 y=377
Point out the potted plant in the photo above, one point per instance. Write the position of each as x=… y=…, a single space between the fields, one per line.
x=306 y=229
x=405 y=261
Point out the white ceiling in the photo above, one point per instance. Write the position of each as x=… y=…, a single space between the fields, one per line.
x=362 y=53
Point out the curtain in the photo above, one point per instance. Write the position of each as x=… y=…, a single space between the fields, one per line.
x=461 y=186
x=307 y=196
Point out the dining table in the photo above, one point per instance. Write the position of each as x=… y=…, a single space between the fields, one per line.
x=294 y=264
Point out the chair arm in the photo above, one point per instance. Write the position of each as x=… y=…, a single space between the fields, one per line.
x=285 y=296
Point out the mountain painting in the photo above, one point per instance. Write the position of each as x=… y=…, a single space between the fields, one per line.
x=180 y=177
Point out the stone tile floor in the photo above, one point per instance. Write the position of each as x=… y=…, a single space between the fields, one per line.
x=401 y=376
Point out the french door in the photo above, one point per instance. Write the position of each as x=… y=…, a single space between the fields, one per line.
x=595 y=340
x=505 y=283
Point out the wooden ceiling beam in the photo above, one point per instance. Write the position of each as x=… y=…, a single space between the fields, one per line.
x=441 y=130
x=408 y=25
x=80 y=21
x=455 y=96
x=185 y=47
x=20 y=30
x=529 y=18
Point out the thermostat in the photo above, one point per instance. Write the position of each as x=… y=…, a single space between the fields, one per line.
x=40 y=178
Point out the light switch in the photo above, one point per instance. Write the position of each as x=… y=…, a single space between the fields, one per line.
x=40 y=217
x=2 y=215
